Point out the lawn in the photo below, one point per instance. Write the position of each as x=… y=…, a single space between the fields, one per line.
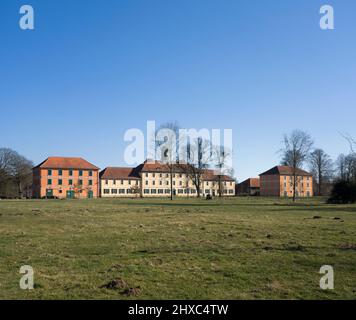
x=240 y=248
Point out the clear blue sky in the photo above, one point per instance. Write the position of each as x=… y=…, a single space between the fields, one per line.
x=92 y=69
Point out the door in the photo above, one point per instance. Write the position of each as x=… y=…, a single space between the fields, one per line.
x=49 y=193
x=90 y=194
x=70 y=194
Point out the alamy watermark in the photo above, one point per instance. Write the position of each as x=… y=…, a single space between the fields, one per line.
x=327 y=280
x=327 y=19
x=26 y=281
x=169 y=144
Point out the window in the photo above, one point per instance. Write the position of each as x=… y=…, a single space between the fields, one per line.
x=207 y=183
x=122 y=182
x=106 y=181
x=146 y=191
x=180 y=191
x=146 y=175
x=207 y=191
x=160 y=182
x=153 y=183
x=153 y=191
x=146 y=182
x=180 y=183
x=167 y=191
x=80 y=182
x=80 y=173
x=114 y=182
x=121 y=191
x=60 y=172
x=114 y=191
x=70 y=182
x=231 y=191
x=167 y=175
x=129 y=191
x=70 y=172
x=90 y=173
x=193 y=191
x=160 y=191
x=49 y=182
x=129 y=181
x=167 y=183
x=180 y=176
x=106 y=191
x=49 y=172
x=90 y=182
x=174 y=183
x=60 y=191
x=160 y=175
x=153 y=175
x=230 y=184
x=60 y=182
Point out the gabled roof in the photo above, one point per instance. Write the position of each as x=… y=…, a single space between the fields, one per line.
x=251 y=182
x=285 y=170
x=66 y=163
x=117 y=173
x=211 y=175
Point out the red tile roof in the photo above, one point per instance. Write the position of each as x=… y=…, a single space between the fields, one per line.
x=285 y=170
x=156 y=166
x=119 y=173
x=66 y=163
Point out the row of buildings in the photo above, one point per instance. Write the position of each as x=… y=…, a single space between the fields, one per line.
x=60 y=177
x=64 y=177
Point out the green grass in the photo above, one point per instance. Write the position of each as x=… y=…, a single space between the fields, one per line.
x=240 y=248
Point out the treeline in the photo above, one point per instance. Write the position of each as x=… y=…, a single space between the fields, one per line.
x=15 y=174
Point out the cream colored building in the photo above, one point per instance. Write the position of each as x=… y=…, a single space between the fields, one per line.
x=154 y=180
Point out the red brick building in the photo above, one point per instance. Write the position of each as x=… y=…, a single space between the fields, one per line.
x=63 y=177
x=279 y=182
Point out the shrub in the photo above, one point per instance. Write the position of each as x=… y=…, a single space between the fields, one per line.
x=343 y=192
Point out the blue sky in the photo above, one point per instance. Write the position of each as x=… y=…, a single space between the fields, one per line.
x=93 y=69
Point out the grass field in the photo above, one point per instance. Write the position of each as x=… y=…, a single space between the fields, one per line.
x=240 y=248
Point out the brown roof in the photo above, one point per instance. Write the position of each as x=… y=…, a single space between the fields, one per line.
x=285 y=170
x=66 y=163
x=211 y=175
x=251 y=182
x=119 y=173
x=157 y=166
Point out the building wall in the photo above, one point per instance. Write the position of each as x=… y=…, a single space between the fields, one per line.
x=282 y=186
x=270 y=185
x=304 y=186
x=110 y=188
x=155 y=184
x=51 y=179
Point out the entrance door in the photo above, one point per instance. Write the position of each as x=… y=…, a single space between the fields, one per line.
x=90 y=194
x=70 y=194
x=49 y=193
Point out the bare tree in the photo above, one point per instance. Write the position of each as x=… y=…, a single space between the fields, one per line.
x=346 y=167
x=198 y=157
x=15 y=173
x=221 y=156
x=296 y=149
x=351 y=141
x=321 y=166
x=22 y=173
x=167 y=145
